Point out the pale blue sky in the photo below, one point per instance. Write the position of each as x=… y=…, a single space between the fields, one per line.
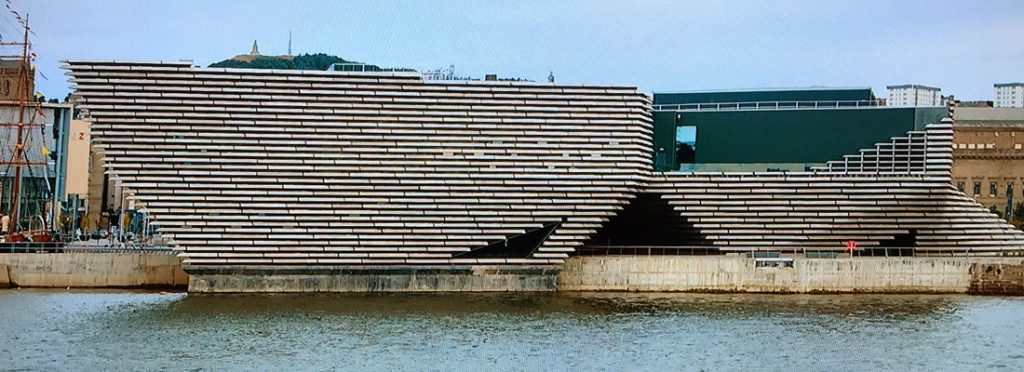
x=961 y=46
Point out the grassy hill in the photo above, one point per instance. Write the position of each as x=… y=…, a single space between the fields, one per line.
x=318 y=61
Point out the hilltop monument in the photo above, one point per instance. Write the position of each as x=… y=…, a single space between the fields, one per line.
x=254 y=54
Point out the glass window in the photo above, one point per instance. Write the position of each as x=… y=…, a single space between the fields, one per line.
x=1008 y=212
x=686 y=144
x=977 y=188
x=960 y=186
x=993 y=189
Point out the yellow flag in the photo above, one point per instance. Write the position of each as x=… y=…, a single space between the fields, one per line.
x=45 y=151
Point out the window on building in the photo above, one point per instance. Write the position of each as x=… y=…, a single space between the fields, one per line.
x=993 y=189
x=977 y=188
x=960 y=186
x=686 y=144
x=1008 y=212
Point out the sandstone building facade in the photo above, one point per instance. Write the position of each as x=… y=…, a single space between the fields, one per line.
x=988 y=151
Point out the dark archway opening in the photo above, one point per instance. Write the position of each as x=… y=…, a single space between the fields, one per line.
x=648 y=225
x=901 y=245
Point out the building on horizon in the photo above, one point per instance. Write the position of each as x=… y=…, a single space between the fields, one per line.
x=914 y=95
x=977 y=104
x=1009 y=95
x=10 y=72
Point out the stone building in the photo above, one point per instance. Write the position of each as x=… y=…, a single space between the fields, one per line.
x=988 y=153
x=10 y=78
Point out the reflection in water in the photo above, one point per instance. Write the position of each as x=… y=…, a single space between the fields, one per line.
x=886 y=306
x=543 y=331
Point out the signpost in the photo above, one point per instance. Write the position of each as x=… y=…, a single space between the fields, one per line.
x=851 y=245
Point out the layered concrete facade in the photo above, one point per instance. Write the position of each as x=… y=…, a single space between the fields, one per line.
x=310 y=180
x=897 y=194
x=251 y=167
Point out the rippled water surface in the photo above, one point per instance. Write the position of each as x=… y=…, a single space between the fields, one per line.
x=61 y=330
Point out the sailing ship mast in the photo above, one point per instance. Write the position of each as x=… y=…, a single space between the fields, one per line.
x=21 y=102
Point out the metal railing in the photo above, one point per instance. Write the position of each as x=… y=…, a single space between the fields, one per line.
x=648 y=250
x=768 y=105
x=62 y=247
x=777 y=252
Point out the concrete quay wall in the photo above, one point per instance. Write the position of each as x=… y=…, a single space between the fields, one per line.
x=373 y=279
x=988 y=276
x=92 y=270
x=806 y=275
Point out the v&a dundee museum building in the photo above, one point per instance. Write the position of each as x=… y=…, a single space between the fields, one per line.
x=266 y=178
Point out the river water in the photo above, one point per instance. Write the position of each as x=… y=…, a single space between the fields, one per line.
x=105 y=330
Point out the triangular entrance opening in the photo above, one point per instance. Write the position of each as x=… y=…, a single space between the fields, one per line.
x=516 y=246
x=648 y=225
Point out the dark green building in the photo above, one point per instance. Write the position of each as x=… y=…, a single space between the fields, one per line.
x=773 y=130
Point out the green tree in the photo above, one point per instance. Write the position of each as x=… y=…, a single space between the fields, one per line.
x=1018 y=214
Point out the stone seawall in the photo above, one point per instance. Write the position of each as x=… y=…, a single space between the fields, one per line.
x=989 y=276
x=92 y=270
x=801 y=275
x=997 y=278
x=373 y=279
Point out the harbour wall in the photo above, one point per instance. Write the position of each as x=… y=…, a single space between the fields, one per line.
x=373 y=279
x=977 y=275
x=92 y=270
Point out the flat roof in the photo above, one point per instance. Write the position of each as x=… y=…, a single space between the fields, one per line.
x=783 y=89
x=1000 y=85
x=917 y=86
x=988 y=114
x=662 y=108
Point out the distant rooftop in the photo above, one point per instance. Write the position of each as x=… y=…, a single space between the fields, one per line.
x=988 y=115
x=781 y=89
x=912 y=86
x=1000 y=85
